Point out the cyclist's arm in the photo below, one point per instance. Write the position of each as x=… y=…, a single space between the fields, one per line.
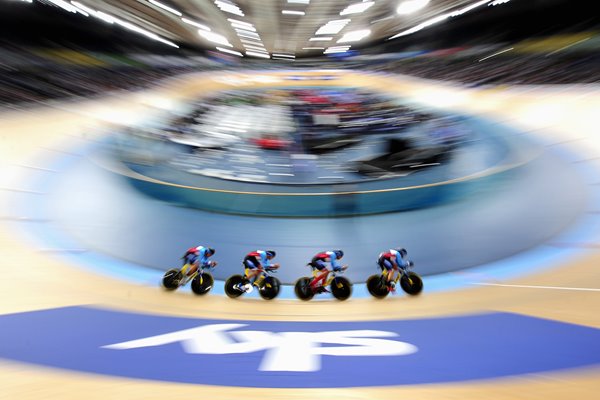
x=334 y=261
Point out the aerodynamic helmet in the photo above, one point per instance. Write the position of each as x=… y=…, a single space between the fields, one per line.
x=402 y=251
x=271 y=253
x=210 y=251
x=339 y=253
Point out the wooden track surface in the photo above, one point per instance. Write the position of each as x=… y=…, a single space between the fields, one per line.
x=32 y=279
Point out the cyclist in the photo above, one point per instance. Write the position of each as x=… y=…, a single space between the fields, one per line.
x=391 y=261
x=254 y=264
x=320 y=270
x=196 y=257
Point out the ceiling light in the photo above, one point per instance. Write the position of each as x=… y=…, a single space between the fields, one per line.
x=165 y=7
x=215 y=38
x=284 y=55
x=410 y=6
x=255 y=48
x=84 y=8
x=235 y=53
x=336 y=49
x=81 y=10
x=292 y=12
x=243 y=27
x=237 y=21
x=193 y=23
x=114 y=20
x=256 y=42
x=357 y=8
x=105 y=17
x=249 y=35
x=354 y=36
x=229 y=7
x=468 y=8
x=299 y=1
x=313 y=48
x=320 y=39
x=245 y=30
x=64 y=5
x=137 y=29
x=440 y=18
x=259 y=55
x=332 y=27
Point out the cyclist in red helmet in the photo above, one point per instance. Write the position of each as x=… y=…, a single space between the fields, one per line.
x=391 y=261
x=197 y=257
x=254 y=264
x=320 y=271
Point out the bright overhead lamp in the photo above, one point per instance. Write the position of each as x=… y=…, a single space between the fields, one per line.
x=411 y=6
x=320 y=39
x=259 y=55
x=440 y=18
x=229 y=8
x=194 y=23
x=283 y=55
x=243 y=27
x=114 y=20
x=256 y=42
x=215 y=38
x=357 y=8
x=332 y=27
x=292 y=12
x=468 y=8
x=105 y=17
x=237 y=21
x=64 y=5
x=255 y=48
x=165 y=7
x=354 y=36
x=82 y=8
x=235 y=53
x=336 y=49
x=313 y=48
x=90 y=11
x=299 y=1
x=249 y=35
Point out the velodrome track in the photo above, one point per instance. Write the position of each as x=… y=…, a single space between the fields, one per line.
x=555 y=307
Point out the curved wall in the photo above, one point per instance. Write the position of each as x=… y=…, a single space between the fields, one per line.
x=495 y=152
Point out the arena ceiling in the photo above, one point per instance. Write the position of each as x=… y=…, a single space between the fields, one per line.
x=269 y=28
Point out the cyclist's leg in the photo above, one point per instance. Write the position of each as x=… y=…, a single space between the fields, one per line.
x=251 y=270
x=320 y=274
x=190 y=265
x=389 y=270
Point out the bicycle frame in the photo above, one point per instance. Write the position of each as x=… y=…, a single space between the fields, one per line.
x=330 y=277
x=199 y=270
x=262 y=276
x=398 y=276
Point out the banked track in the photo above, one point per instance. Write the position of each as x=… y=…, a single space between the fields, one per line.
x=34 y=278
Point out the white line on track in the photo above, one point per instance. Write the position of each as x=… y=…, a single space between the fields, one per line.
x=538 y=287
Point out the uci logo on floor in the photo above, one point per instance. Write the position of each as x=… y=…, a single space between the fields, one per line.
x=286 y=354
